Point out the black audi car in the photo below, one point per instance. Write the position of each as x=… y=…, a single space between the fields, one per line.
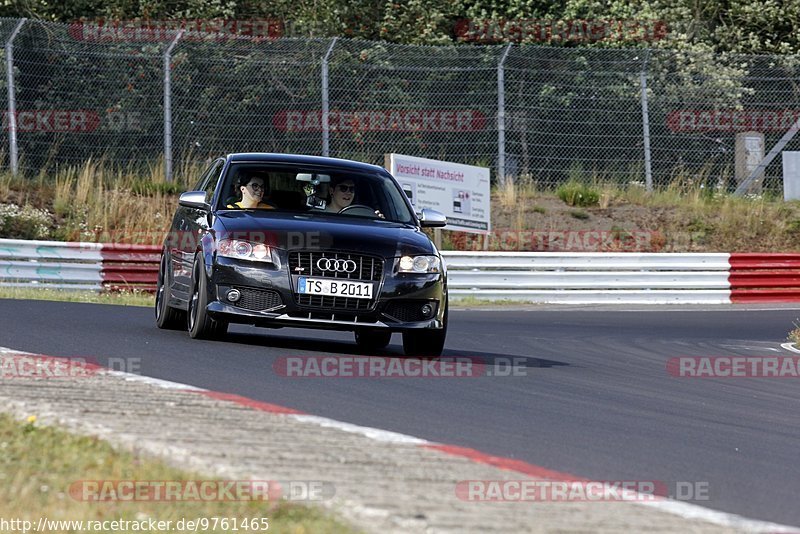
x=278 y=240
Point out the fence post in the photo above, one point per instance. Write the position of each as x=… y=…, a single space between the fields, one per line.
x=12 y=99
x=648 y=166
x=168 y=108
x=326 y=134
x=774 y=151
x=501 y=118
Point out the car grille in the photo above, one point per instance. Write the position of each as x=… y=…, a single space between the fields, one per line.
x=258 y=299
x=368 y=268
x=334 y=303
x=407 y=311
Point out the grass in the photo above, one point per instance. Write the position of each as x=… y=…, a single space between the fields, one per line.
x=97 y=201
x=124 y=298
x=574 y=193
x=794 y=335
x=145 y=299
x=474 y=302
x=100 y=202
x=38 y=464
x=686 y=215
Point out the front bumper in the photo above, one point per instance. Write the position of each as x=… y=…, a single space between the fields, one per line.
x=396 y=306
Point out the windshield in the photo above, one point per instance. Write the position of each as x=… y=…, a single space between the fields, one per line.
x=317 y=191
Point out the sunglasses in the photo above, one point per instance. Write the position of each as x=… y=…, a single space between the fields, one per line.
x=346 y=188
x=256 y=187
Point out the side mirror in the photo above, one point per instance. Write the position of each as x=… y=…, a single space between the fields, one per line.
x=432 y=219
x=194 y=199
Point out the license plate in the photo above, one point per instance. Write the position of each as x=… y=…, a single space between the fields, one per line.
x=334 y=288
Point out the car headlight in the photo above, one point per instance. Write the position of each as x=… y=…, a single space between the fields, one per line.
x=419 y=264
x=245 y=250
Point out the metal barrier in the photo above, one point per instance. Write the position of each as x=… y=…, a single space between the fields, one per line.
x=547 y=277
x=590 y=277
x=765 y=277
x=77 y=266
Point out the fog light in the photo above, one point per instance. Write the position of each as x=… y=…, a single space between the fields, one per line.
x=234 y=295
x=426 y=310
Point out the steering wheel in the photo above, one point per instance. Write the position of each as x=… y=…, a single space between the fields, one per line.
x=359 y=209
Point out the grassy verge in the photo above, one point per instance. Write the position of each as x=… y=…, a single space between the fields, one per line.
x=146 y=299
x=794 y=335
x=679 y=218
x=101 y=203
x=473 y=302
x=98 y=202
x=38 y=465
x=121 y=298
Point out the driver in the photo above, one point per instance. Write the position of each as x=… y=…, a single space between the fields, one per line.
x=342 y=193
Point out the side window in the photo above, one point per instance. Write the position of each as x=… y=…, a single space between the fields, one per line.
x=202 y=181
x=208 y=182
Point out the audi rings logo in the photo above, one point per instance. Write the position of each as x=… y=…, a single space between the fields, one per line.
x=339 y=266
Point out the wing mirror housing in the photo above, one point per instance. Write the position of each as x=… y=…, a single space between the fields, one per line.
x=194 y=199
x=429 y=218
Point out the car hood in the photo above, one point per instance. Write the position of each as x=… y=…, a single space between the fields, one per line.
x=297 y=231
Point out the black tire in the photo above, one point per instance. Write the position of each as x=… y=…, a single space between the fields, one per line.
x=167 y=317
x=372 y=340
x=426 y=342
x=199 y=322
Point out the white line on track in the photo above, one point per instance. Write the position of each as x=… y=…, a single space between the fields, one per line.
x=790 y=347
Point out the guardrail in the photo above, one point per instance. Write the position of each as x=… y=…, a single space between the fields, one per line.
x=590 y=277
x=78 y=266
x=554 y=277
x=765 y=277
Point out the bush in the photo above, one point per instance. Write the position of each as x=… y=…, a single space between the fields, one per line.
x=24 y=222
x=577 y=194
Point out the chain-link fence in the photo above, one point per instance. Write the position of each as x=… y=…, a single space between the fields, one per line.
x=550 y=113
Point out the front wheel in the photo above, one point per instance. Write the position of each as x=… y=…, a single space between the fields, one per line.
x=200 y=324
x=425 y=342
x=167 y=317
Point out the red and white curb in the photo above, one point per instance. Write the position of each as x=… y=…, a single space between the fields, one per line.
x=681 y=509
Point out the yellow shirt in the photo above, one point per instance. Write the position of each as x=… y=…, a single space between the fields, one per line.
x=261 y=206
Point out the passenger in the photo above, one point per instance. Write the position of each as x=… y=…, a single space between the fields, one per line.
x=251 y=190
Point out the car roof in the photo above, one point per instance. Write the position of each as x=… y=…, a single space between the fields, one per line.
x=301 y=159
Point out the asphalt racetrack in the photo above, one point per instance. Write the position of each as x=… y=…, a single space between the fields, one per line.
x=593 y=397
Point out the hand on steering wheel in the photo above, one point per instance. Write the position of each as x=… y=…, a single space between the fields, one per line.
x=362 y=207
